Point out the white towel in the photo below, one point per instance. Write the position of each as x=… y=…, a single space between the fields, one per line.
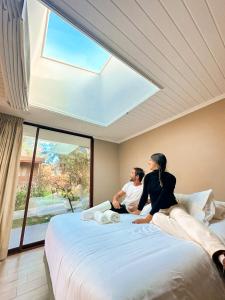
x=112 y=216
x=101 y=218
x=88 y=214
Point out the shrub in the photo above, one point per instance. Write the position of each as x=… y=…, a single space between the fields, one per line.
x=20 y=199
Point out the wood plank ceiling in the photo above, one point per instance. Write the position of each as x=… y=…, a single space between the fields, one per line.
x=179 y=44
x=2 y=90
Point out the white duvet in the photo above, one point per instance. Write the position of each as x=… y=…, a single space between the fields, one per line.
x=89 y=261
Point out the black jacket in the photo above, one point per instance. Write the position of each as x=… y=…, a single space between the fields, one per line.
x=161 y=197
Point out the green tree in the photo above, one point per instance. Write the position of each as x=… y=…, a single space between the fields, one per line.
x=73 y=173
x=76 y=166
x=42 y=182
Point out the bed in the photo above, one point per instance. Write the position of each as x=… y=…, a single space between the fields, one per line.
x=89 y=261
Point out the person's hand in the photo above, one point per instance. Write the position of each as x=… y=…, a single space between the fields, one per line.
x=136 y=212
x=144 y=220
x=116 y=204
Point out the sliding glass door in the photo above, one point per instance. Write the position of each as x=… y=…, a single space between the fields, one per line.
x=29 y=135
x=55 y=177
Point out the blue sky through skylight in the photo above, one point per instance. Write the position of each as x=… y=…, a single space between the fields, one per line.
x=67 y=44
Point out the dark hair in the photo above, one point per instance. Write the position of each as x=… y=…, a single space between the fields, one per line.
x=161 y=160
x=140 y=173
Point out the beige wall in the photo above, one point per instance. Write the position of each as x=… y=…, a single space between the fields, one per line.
x=106 y=170
x=194 y=146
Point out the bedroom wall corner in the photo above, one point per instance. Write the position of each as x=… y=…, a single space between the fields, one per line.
x=106 y=170
x=195 y=148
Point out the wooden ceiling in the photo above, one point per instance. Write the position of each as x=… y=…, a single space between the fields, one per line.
x=2 y=90
x=179 y=44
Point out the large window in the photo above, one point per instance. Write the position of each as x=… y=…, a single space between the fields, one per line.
x=54 y=178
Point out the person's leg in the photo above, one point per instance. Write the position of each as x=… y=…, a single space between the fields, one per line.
x=121 y=210
x=197 y=231
x=169 y=225
x=202 y=235
x=176 y=221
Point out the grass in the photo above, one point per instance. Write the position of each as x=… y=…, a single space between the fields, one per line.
x=32 y=221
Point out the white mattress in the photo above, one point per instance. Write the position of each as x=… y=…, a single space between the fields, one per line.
x=88 y=261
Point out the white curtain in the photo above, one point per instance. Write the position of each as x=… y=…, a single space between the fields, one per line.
x=11 y=132
x=15 y=52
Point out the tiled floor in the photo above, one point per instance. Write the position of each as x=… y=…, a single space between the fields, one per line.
x=22 y=277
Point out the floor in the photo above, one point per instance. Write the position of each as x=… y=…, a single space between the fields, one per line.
x=22 y=276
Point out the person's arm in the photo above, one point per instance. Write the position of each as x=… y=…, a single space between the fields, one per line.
x=144 y=197
x=116 y=198
x=168 y=188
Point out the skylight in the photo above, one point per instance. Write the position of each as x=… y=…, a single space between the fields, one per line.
x=67 y=44
x=96 y=97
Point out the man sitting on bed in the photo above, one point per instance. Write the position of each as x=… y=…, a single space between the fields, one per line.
x=132 y=191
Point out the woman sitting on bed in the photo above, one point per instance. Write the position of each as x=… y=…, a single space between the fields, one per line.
x=169 y=216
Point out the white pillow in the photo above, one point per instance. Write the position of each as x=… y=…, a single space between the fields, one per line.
x=199 y=205
x=210 y=210
x=220 y=210
x=146 y=210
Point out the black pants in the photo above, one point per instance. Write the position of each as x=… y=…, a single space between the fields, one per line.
x=121 y=210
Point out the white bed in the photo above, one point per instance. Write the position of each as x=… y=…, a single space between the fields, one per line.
x=88 y=261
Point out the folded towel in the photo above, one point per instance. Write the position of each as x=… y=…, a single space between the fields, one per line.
x=88 y=214
x=101 y=218
x=112 y=216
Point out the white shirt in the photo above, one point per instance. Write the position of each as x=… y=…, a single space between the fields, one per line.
x=133 y=195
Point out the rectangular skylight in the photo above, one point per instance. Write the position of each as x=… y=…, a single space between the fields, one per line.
x=98 y=97
x=67 y=44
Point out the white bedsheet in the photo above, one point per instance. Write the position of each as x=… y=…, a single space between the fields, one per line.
x=89 y=261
